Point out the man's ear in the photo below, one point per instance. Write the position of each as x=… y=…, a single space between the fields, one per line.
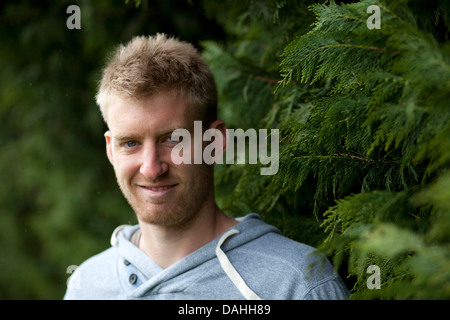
x=108 y=139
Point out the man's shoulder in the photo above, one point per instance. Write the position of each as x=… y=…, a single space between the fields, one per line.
x=279 y=248
x=109 y=256
x=267 y=239
x=264 y=244
x=92 y=275
x=99 y=260
x=299 y=270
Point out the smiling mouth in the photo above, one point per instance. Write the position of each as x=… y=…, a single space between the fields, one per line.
x=158 y=190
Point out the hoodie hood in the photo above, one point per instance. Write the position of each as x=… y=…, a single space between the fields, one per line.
x=150 y=276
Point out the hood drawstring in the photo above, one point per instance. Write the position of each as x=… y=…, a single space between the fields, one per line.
x=231 y=271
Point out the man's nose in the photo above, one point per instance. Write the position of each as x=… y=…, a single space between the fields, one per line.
x=152 y=166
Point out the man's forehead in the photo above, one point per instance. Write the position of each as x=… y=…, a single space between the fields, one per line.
x=161 y=108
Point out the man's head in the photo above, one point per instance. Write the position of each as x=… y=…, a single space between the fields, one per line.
x=150 y=88
x=146 y=66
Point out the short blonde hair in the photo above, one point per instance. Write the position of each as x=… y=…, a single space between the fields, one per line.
x=146 y=66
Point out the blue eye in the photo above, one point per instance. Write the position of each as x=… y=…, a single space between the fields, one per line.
x=131 y=144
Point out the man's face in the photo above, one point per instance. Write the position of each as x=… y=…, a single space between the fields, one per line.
x=139 y=147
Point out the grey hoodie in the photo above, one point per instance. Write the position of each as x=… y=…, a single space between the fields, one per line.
x=251 y=260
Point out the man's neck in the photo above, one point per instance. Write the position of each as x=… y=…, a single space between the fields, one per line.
x=167 y=245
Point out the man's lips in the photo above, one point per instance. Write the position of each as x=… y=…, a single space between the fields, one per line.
x=157 y=190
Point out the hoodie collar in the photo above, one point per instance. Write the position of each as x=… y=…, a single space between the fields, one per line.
x=250 y=227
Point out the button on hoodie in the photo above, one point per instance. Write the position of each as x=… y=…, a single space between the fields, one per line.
x=132 y=278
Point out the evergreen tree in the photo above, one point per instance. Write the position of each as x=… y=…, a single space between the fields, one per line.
x=364 y=118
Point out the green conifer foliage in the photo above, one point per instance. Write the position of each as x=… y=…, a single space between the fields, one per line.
x=364 y=121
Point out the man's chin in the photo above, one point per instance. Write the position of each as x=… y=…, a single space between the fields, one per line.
x=157 y=201
x=157 y=211
x=162 y=219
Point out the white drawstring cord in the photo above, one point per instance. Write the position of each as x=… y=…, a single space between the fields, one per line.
x=231 y=271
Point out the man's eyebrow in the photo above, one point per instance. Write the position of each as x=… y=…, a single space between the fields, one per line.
x=120 y=138
x=129 y=137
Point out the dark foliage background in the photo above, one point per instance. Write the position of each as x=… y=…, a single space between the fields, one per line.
x=58 y=198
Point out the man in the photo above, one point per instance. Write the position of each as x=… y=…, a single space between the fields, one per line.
x=184 y=246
